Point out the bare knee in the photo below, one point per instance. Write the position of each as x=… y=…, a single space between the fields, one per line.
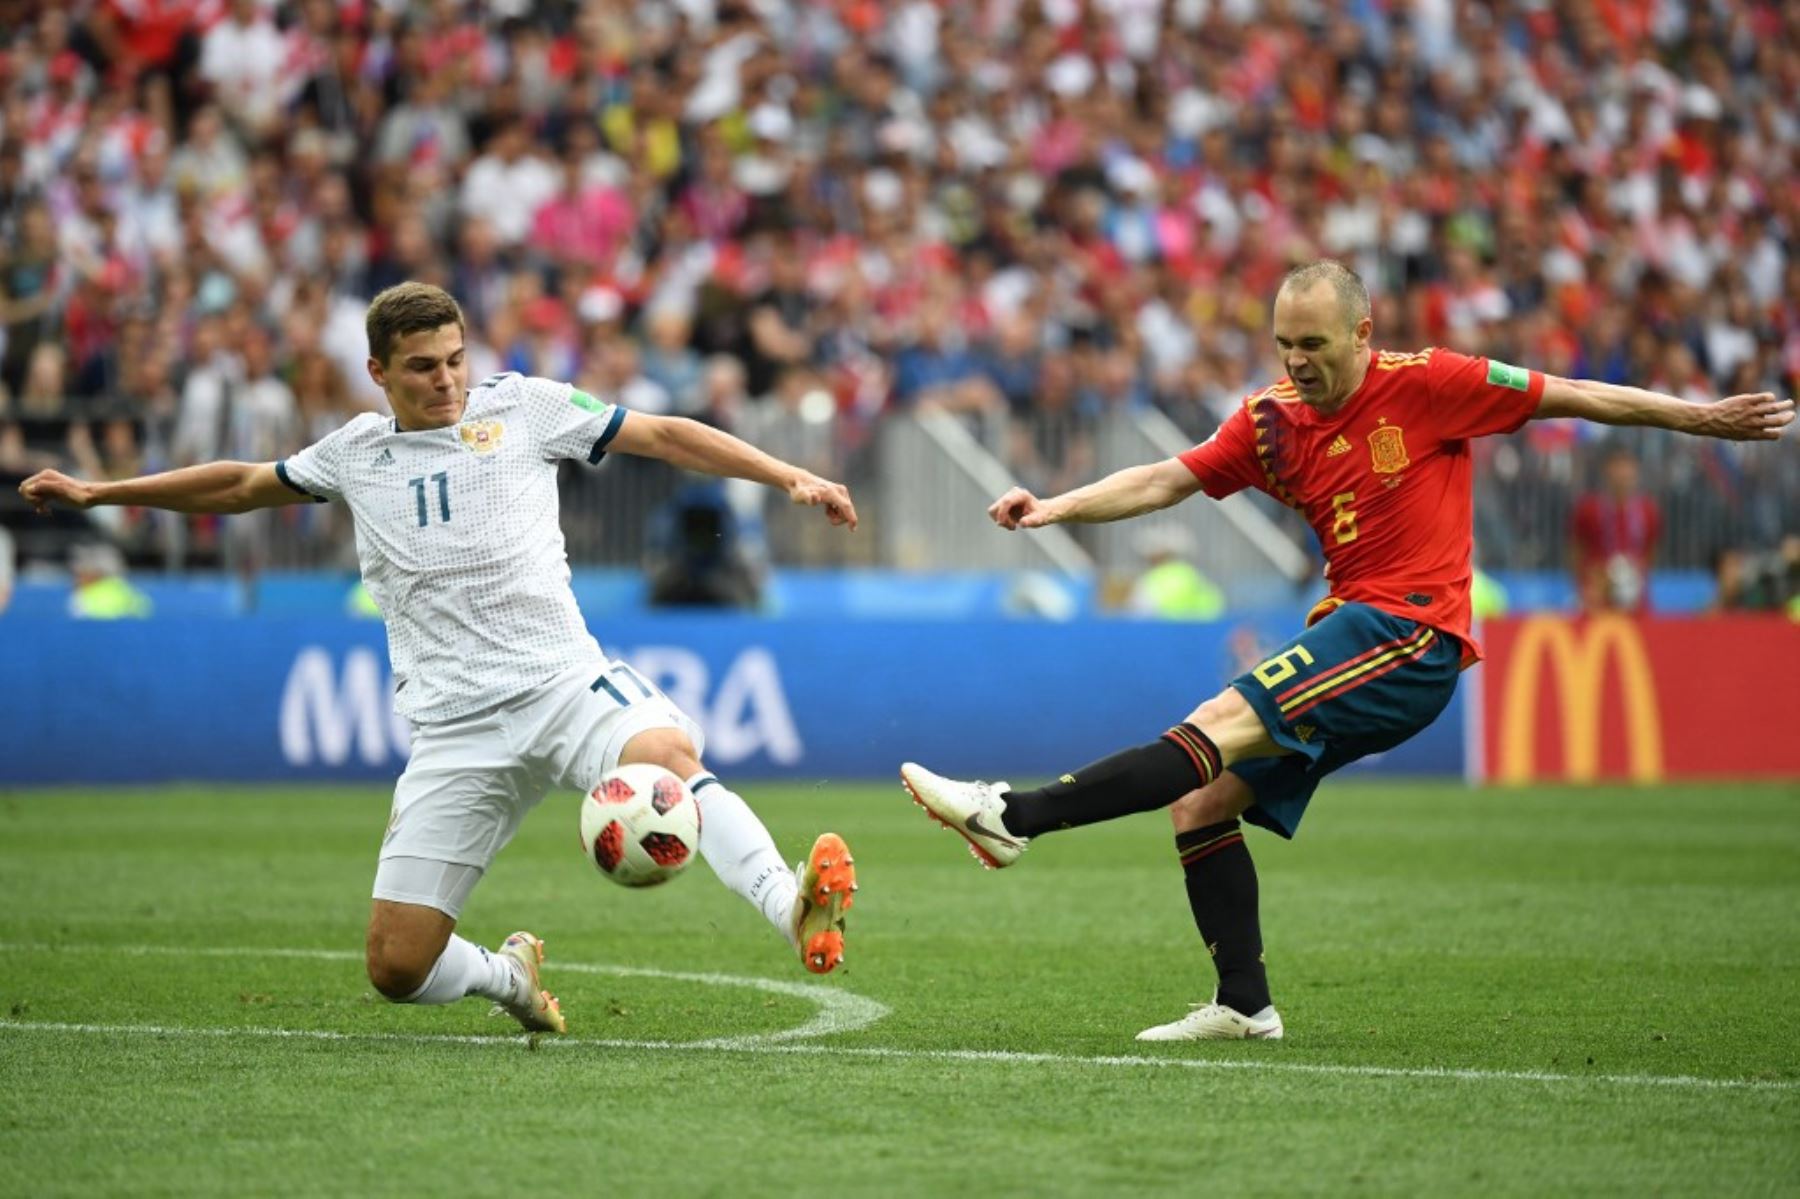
x=394 y=972
x=1225 y=798
x=1233 y=725
x=666 y=747
x=1222 y=710
x=403 y=947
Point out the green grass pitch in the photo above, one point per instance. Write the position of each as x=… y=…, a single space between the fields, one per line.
x=1486 y=992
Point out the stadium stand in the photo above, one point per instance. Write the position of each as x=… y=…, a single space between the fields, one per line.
x=799 y=219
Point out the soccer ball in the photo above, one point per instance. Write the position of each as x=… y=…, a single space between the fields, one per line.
x=640 y=825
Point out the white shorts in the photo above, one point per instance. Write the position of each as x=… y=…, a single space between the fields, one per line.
x=469 y=782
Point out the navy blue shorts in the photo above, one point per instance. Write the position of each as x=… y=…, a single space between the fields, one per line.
x=1358 y=682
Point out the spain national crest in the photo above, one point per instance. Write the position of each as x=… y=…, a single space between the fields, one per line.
x=1387 y=450
x=481 y=436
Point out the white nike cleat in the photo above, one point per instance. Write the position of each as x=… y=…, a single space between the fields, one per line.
x=538 y=1011
x=972 y=809
x=1213 y=1021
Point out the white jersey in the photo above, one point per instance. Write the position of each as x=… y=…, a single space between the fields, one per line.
x=460 y=540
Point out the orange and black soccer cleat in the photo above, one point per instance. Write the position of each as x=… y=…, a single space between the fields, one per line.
x=827 y=889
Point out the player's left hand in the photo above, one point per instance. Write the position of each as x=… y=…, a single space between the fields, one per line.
x=823 y=493
x=1755 y=416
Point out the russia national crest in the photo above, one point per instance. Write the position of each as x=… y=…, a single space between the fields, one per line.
x=481 y=436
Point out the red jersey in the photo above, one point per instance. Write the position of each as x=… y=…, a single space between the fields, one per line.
x=1385 y=481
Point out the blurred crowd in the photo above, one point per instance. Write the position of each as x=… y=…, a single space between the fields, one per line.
x=790 y=217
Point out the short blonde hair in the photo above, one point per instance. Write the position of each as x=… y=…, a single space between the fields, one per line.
x=409 y=308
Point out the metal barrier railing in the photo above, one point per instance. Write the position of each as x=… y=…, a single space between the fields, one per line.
x=937 y=480
x=1233 y=541
x=922 y=483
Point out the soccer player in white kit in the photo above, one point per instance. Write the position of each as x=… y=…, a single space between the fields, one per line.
x=456 y=512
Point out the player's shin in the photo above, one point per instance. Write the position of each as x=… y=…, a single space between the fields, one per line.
x=1140 y=779
x=465 y=969
x=1221 y=889
x=741 y=852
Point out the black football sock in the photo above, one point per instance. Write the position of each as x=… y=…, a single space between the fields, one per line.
x=1221 y=888
x=1140 y=779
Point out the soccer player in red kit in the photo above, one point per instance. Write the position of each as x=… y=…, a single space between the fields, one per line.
x=1373 y=447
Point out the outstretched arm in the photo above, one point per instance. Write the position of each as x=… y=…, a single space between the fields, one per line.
x=1757 y=416
x=212 y=487
x=690 y=445
x=1123 y=494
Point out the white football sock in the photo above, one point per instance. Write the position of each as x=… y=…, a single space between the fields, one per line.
x=465 y=968
x=741 y=852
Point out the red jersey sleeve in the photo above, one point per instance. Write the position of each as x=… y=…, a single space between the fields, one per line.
x=1225 y=463
x=1473 y=397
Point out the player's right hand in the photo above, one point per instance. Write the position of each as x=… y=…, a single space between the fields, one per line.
x=53 y=487
x=823 y=493
x=1019 y=509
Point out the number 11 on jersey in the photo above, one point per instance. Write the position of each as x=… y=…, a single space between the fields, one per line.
x=442 y=479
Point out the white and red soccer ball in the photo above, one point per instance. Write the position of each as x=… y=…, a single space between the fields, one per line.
x=640 y=825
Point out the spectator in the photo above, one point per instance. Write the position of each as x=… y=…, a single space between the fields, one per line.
x=615 y=369
x=670 y=362
x=883 y=195
x=797 y=423
x=242 y=58
x=29 y=282
x=778 y=332
x=712 y=203
x=509 y=183
x=1051 y=448
x=1615 y=531
x=479 y=276
x=101 y=591
x=149 y=233
x=265 y=418
x=426 y=128
x=1011 y=364
x=1171 y=587
x=46 y=390
x=1759 y=581
x=209 y=162
x=726 y=393
x=583 y=220
x=156 y=37
x=1488 y=599
x=938 y=370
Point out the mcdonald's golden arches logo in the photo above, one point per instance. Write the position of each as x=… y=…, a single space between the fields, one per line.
x=1578 y=654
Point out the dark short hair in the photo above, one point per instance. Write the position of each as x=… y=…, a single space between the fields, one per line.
x=408 y=308
x=1352 y=296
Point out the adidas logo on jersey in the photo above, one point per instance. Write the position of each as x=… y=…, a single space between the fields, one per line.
x=386 y=458
x=1340 y=446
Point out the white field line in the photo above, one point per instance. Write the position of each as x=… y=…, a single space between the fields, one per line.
x=839 y=1010
x=787 y=1041
x=1003 y=1057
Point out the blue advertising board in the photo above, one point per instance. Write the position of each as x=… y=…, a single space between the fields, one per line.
x=264 y=698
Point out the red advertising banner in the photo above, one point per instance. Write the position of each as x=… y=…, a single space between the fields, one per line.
x=1628 y=699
